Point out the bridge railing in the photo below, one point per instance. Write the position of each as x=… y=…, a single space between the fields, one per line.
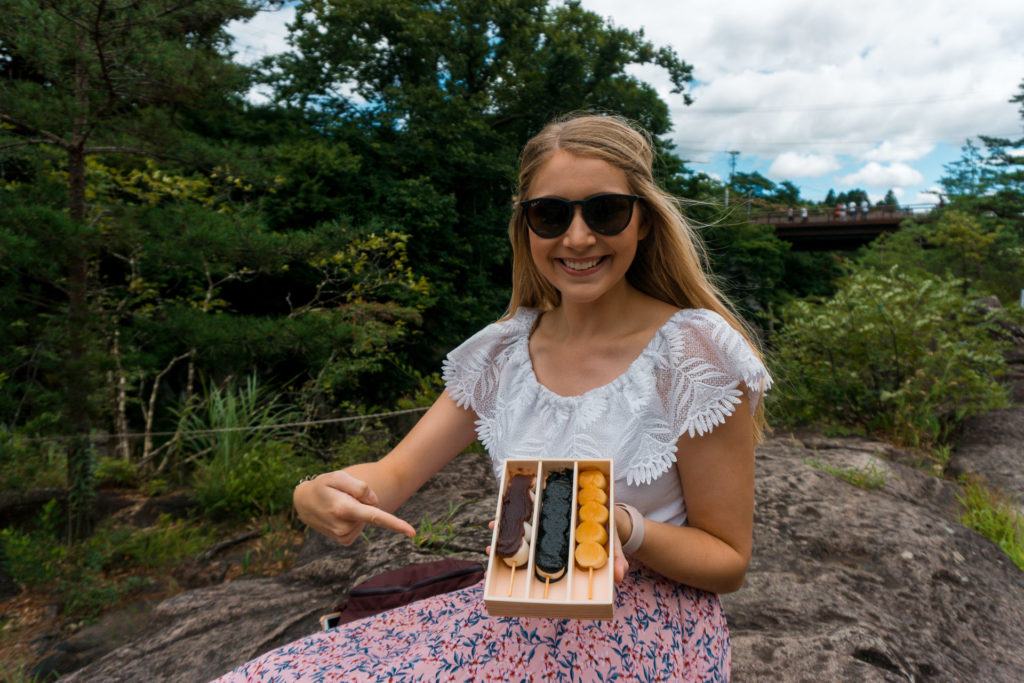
x=823 y=215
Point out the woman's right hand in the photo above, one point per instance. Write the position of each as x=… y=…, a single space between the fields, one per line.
x=338 y=505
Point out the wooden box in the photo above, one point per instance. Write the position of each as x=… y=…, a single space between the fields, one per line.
x=566 y=597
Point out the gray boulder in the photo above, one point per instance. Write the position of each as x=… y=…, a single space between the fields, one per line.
x=845 y=584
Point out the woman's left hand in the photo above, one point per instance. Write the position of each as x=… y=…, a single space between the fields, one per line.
x=621 y=563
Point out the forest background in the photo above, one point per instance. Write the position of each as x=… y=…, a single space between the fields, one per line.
x=198 y=291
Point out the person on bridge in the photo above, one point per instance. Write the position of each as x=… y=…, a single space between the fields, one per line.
x=865 y=208
x=803 y=214
x=851 y=208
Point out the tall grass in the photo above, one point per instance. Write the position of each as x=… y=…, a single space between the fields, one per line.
x=994 y=517
x=245 y=463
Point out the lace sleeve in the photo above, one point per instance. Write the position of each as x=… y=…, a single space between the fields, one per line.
x=704 y=365
x=471 y=370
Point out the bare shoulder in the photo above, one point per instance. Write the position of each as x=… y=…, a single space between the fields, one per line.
x=655 y=312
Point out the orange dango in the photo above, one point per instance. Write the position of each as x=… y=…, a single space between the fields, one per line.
x=593 y=512
x=593 y=478
x=590 y=555
x=590 y=494
x=591 y=532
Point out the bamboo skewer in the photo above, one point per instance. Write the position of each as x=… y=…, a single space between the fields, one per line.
x=590 y=585
x=547 y=584
x=511 y=580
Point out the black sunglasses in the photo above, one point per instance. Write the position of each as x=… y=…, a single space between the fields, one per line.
x=605 y=214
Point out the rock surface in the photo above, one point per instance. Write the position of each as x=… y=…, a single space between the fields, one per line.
x=992 y=444
x=845 y=584
x=203 y=633
x=869 y=585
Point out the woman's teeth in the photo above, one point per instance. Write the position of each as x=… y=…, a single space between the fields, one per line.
x=581 y=265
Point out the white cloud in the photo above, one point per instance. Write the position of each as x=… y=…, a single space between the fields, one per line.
x=874 y=174
x=795 y=165
x=925 y=198
x=896 y=151
x=834 y=79
x=265 y=34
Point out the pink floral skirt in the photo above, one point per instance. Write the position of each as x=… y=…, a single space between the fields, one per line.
x=662 y=631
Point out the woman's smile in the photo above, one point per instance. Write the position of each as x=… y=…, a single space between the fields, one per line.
x=581 y=267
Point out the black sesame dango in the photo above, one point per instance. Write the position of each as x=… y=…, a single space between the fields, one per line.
x=552 y=553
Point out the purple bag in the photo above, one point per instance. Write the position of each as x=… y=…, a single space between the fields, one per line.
x=404 y=585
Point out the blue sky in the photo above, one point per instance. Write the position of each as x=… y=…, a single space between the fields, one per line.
x=827 y=94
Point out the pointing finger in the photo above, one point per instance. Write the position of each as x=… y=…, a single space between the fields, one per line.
x=377 y=517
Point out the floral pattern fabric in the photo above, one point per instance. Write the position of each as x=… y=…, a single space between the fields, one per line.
x=661 y=631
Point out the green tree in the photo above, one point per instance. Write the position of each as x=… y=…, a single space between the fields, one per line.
x=904 y=354
x=984 y=252
x=962 y=235
x=787 y=193
x=438 y=99
x=753 y=185
x=90 y=77
x=889 y=200
x=965 y=176
x=855 y=195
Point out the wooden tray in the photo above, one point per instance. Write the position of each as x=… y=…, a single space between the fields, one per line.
x=567 y=597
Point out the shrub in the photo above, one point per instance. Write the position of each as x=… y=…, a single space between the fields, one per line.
x=232 y=421
x=256 y=482
x=88 y=576
x=27 y=464
x=244 y=467
x=985 y=253
x=892 y=352
x=116 y=472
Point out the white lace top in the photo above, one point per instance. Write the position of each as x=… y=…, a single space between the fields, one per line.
x=687 y=379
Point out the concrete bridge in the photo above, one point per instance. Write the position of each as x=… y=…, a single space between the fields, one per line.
x=829 y=230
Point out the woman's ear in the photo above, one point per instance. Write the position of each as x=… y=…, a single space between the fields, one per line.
x=645 y=227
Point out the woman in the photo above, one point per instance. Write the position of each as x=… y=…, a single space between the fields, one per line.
x=615 y=344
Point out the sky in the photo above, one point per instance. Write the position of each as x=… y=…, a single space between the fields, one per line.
x=826 y=94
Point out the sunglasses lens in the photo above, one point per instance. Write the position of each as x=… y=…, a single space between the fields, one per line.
x=608 y=214
x=549 y=217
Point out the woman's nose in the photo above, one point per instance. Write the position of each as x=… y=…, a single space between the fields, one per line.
x=579 y=235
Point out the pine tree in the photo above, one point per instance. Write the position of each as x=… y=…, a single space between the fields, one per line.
x=92 y=77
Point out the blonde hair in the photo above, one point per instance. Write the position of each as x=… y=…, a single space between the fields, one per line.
x=670 y=263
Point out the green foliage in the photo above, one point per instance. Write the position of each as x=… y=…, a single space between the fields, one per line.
x=233 y=420
x=244 y=469
x=995 y=517
x=748 y=262
x=116 y=472
x=355 y=449
x=893 y=352
x=30 y=464
x=256 y=481
x=88 y=576
x=438 y=533
x=752 y=185
x=869 y=478
x=984 y=253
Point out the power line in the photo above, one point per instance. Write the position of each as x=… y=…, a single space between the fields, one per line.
x=837 y=107
x=218 y=430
